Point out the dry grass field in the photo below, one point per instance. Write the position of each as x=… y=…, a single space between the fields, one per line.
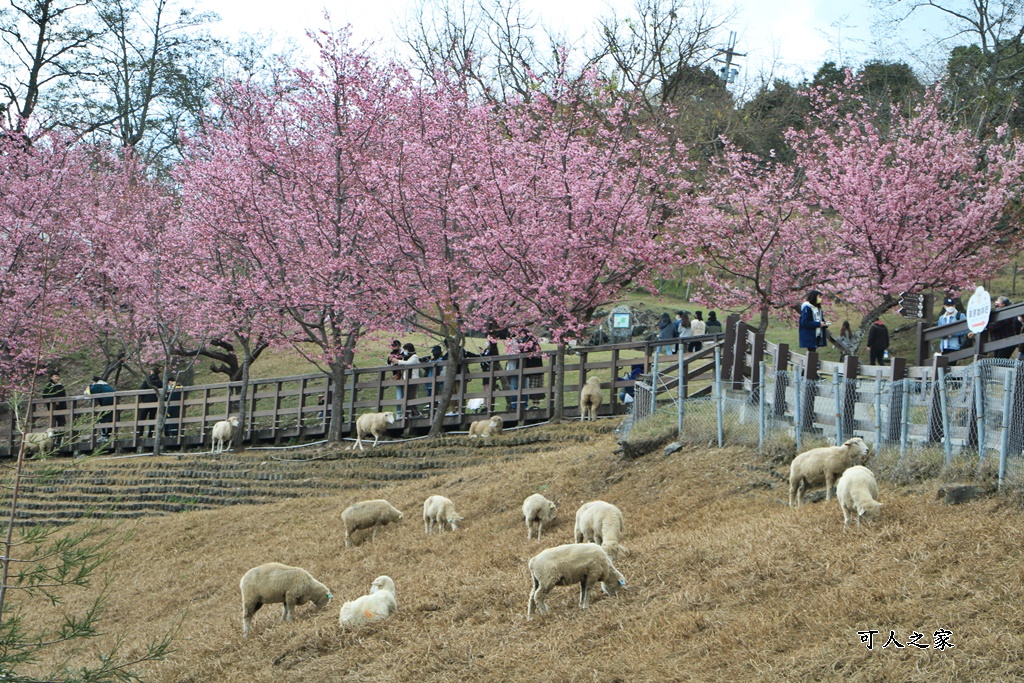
x=725 y=582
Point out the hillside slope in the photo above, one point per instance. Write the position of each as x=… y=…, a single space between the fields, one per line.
x=725 y=582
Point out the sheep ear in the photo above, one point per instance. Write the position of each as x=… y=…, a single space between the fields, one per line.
x=622 y=582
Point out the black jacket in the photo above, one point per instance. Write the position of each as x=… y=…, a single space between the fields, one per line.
x=878 y=337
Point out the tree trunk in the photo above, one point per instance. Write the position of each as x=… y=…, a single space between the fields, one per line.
x=337 y=401
x=243 y=400
x=451 y=375
x=558 y=410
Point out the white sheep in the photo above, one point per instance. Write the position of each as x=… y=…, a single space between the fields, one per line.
x=537 y=508
x=368 y=514
x=379 y=604
x=857 y=492
x=590 y=399
x=372 y=423
x=41 y=442
x=275 y=582
x=485 y=428
x=823 y=466
x=439 y=510
x=567 y=565
x=600 y=522
x=223 y=434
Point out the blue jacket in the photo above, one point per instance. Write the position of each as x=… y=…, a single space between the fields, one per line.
x=953 y=342
x=811 y=334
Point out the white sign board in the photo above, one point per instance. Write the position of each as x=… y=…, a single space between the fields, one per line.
x=979 y=308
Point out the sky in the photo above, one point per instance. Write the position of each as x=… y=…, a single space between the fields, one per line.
x=789 y=38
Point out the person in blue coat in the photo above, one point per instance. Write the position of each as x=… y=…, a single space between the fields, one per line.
x=812 y=322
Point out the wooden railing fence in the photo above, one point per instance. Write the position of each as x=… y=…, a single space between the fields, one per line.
x=298 y=408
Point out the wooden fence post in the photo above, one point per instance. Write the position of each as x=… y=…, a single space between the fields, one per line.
x=934 y=433
x=757 y=356
x=810 y=391
x=897 y=372
x=851 y=368
x=781 y=368
x=729 y=347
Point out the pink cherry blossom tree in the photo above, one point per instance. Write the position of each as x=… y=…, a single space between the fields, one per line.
x=908 y=202
x=44 y=252
x=278 y=176
x=422 y=268
x=570 y=200
x=754 y=243
x=147 y=294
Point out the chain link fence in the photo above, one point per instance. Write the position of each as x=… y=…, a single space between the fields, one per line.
x=969 y=417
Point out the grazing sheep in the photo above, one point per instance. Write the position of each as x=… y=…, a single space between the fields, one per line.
x=484 y=428
x=40 y=442
x=439 y=510
x=368 y=514
x=857 y=491
x=379 y=604
x=600 y=522
x=276 y=582
x=537 y=508
x=223 y=434
x=372 y=423
x=590 y=399
x=823 y=466
x=567 y=565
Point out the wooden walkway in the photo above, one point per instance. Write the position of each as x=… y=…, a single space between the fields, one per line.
x=297 y=409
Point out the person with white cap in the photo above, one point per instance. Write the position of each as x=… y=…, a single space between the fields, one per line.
x=950 y=315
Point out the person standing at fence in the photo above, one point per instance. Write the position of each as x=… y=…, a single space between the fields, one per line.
x=54 y=389
x=666 y=331
x=150 y=385
x=684 y=329
x=1003 y=329
x=698 y=328
x=878 y=342
x=713 y=326
x=812 y=322
x=173 y=405
x=97 y=391
x=528 y=344
x=413 y=373
x=950 y=315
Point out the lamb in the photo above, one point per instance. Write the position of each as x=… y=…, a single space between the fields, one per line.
x=366 y=515
x=600 y=522
x=439 y=510
x=372 y=423
x=485 y=428
x=223 y=434
x=379 y=604
x=537 y=508
x=857 y=491
x=590 y=399
x=822 y=466
x=40 y=442
x=276 y=582
x=566 y=565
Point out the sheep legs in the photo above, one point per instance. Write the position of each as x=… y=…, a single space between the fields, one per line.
x=536 y=604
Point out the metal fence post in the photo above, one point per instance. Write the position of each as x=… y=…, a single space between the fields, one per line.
x=718 y=390
x=654 y=383
x=878 y=412
x=979 y=405
x=681 y=392
x=796 y=407
x=839 y=407
x=947 y=440
x=761 y=411
x=1004 y=447
x=904 y=418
